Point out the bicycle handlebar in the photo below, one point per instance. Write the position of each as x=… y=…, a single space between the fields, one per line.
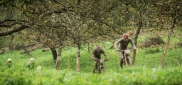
x=102 y=60
x=126 y=49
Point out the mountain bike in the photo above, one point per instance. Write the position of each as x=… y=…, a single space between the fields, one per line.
x=126 y=60
x=99 y=66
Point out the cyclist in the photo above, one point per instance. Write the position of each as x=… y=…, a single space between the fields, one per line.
x=96 y=56
x=9 y=63
x=123 y=42
x=31 y=63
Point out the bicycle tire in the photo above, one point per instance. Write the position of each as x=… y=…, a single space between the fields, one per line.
x=97 y=69
x=100 y=68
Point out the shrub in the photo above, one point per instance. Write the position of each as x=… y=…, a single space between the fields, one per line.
x=152 y=41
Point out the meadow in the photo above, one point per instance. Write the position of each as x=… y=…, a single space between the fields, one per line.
x=146 y=70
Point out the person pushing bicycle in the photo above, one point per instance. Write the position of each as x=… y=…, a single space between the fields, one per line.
x=123 y=42
x=96 y=56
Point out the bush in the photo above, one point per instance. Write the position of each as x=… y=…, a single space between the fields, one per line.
x=152 y=41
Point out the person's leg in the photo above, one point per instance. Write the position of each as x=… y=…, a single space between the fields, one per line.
x=121 y=59
x=96 y=67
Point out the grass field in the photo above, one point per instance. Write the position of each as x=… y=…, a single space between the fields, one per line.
x=145 y=71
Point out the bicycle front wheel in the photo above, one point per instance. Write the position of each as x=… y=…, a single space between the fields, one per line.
x=100 y=68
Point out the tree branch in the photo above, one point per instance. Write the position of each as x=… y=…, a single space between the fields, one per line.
x=6 y=20
x=9 y=25
x=13 y=30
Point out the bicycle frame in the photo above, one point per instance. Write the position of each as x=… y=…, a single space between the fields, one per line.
x=124 y=56
x=99 y=66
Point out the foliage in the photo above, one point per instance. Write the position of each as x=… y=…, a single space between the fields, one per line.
x=152 y=41
x=145 y=71
x=62 y=22
x=130 y=75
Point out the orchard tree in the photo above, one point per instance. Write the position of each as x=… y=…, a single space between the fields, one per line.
x=173 y=10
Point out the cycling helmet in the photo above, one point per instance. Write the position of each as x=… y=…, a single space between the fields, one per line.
x=32 y=59
x=125 y=35
x=9 y=59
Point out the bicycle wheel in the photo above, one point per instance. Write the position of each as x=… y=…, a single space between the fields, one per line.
x=96 y=69
x=100 y=68
x=101 y=65
x=125 y=60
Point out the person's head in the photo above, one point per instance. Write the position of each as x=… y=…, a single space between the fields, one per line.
x=98 y=47
x=9 y=59
x=125 y=35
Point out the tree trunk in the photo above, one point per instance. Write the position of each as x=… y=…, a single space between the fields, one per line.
x=140 y=24
x=58 y=60
x=54 y=53
x=78 y=59
x=168 y=40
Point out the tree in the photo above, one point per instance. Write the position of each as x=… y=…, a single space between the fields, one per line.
x=169 y=12
x=173 y=10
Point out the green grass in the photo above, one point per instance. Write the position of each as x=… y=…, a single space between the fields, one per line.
x=145 y=71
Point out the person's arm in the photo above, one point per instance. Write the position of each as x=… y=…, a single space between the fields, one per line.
x=6 y=62
x=28 y=64
x=116 y=43
x=94 y=58
x=102 y=51
x=132 y=43
x=106 y=58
